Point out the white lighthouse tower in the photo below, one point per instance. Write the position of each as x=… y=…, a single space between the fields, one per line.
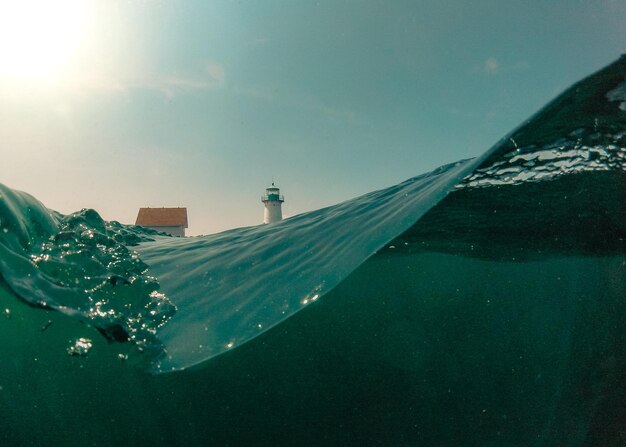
x=273 y=202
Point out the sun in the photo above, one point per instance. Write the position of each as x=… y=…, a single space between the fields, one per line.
x=39 y=38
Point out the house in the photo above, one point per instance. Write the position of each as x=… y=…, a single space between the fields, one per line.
x=167 y=220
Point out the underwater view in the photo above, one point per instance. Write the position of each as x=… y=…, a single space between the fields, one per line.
x=480 y=304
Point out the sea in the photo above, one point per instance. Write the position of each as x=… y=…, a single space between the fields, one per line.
x=481 y=304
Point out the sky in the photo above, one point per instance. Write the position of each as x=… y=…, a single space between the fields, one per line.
x=116 y=105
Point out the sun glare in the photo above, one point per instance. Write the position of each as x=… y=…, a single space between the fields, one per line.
x=38 y=38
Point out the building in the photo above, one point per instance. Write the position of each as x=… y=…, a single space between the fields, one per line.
x=273 y=204
x=167 y=220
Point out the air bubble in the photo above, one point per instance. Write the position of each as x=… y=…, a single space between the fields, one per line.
x=80 y=347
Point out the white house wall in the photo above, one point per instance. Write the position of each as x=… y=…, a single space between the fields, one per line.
x=178 y=231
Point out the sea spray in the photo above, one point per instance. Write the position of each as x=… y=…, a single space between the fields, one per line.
x=82 y=266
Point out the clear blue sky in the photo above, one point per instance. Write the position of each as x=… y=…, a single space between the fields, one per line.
x=201 y=103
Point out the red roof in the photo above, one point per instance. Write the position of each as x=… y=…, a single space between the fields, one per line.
x=162 y=217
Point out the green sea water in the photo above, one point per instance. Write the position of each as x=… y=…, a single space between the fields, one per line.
x=428 y=349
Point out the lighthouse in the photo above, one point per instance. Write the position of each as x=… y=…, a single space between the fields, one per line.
x=273 y=202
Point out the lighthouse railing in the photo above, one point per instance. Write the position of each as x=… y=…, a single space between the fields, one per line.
x=272 y=197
